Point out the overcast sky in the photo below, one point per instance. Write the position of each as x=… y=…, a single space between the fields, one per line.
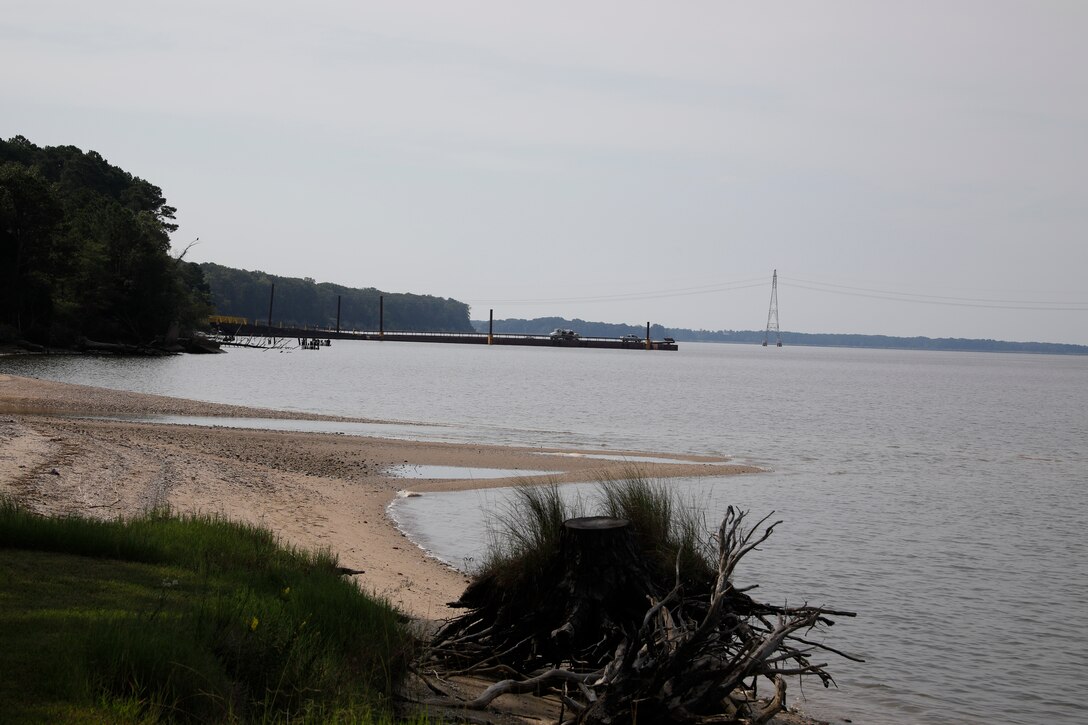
x=909 y=168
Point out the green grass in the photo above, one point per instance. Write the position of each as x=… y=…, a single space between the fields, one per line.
x=176 y=619
x=665 y=528
x=524 y=539
x=525 y=535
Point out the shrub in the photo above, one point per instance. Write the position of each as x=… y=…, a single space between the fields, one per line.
x=524 y=540
x=664 y=528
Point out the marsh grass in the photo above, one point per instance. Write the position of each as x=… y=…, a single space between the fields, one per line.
x=186 y=618
x=669 y=531
x=524 y=535
x=523 y=539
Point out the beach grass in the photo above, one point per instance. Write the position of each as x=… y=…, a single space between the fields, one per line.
x=185 y=619
x=669 y=531
x=523 y=539
x=524 y=536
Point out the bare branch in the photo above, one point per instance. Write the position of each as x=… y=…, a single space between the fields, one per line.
x=516 y=686
x=683 y=657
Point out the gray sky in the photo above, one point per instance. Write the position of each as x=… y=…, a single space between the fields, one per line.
x=910 y=168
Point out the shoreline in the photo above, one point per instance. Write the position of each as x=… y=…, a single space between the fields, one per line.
x=314 y=490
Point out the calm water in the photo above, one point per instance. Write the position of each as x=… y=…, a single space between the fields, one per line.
x=939 y=495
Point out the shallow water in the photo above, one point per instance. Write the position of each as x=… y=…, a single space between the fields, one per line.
x=406 y=431
x=625 y=457
x=452 y=473
x=940 y=495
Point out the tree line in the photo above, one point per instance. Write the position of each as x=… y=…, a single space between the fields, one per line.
x=304 y=302
x=544 y=325
x=85 y=255
x=85 y=252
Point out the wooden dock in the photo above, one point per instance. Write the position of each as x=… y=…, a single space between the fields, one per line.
x=467 y=338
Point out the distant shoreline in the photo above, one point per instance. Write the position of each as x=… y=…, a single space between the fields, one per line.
x=792 y=342
x=543 y=325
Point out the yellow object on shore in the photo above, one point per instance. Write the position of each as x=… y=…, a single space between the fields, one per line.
x=227 y=320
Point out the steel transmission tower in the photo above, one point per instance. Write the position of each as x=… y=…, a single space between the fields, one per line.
x=772 y=314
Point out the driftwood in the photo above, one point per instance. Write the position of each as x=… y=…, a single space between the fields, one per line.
x=618 y=647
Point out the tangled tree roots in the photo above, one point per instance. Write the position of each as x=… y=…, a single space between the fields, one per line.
x=618 y=648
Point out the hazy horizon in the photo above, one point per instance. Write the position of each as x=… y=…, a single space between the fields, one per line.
x=909 y=169
x=784 y=331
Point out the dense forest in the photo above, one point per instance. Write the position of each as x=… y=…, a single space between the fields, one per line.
x=304 y=302
x=85 y=256
x=544 y=325
x=85 y=252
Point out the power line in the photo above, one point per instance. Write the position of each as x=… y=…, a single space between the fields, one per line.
x=893 y=296
x=633 y=296
x=806 y=284
x=938 y=297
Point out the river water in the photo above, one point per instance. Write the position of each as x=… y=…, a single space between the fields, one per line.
x=939 y=495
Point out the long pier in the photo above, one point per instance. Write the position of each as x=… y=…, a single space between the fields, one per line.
x=467 y=338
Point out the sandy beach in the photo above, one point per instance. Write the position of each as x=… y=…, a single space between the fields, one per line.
x=61 y=453
x=315 y=490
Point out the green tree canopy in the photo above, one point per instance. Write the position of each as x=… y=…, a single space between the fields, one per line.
x=304 y=302
x=85 y=250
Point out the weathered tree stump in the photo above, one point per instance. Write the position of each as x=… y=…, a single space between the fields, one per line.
x=592 y=618
x=605 y=584
x=576 y=608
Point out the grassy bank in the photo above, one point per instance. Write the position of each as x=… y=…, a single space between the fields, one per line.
x=168 y=618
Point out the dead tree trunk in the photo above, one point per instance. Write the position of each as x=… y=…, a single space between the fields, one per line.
x=576 y=609
x=605 y=586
